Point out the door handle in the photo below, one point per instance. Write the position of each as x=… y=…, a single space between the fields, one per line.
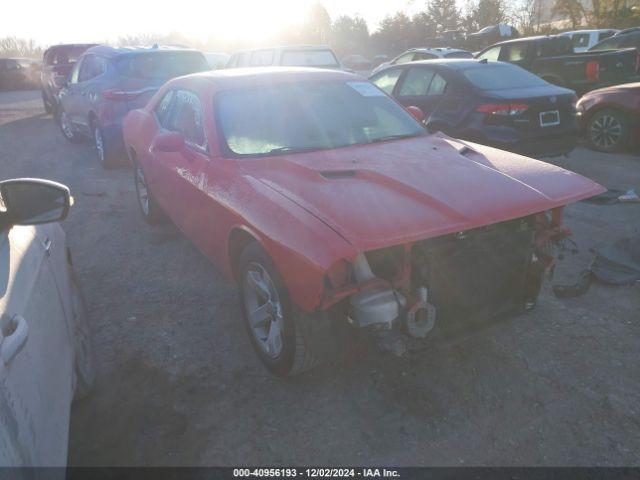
x=14 y=332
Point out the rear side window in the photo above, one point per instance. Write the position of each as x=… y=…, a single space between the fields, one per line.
x=423 y=56
x=308 y=58
x=609 y=44
x=603 y=35
x=555 y=46
x=261 y=58
x=514 y=52
x=186 y=118
x=161 y=64
x=438 y=85
x=387 y=80
x=580 y=40
x=461 y=54
x=416 y=82
x=407 y=57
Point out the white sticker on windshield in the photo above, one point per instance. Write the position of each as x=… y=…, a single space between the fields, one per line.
x=366 y=89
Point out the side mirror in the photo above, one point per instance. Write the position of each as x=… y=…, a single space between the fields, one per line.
x=31 y=201
x=416 y=113
x=170 y=142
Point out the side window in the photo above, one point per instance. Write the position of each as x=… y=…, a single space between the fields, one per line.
x=423 y=56
x=491 y=54
x=163 y=107
x=386 y=81
x=407 y=57
x=75 y=73
x=603 y=35
x=438 y=85
x=12 y=65
x=186 y=118
x=92 y=67
x=514 y=52
x=243 y=59
x=416 y=82
x=261 y=58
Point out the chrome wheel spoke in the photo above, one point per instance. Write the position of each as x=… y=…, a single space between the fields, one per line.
x=274 y=339
x=260 y=315
x=259 y=285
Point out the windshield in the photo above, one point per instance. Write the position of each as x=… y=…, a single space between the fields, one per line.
x=309 y=58
x=162 y=64
x=310 y=116
x=501 y=77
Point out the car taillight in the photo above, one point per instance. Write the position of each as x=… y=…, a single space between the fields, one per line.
x=120 y=95
x=504 y=109
x=592 y=70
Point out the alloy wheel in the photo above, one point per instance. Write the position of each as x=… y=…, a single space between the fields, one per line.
x=264 y=310
x=142 y=190
x=65 y=125
x=606 y=131
x=98 y=143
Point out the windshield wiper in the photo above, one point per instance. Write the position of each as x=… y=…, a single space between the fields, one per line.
x=291 y=149
x=393 y=137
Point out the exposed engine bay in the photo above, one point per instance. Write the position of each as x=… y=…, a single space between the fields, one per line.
x=402 y=291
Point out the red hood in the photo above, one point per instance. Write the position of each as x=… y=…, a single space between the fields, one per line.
x=406 y=190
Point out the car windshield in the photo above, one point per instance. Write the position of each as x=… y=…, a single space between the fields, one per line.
x=162 y=64
x=309 y=58
x=501 y=77
x=65 y=55
x=310 y=116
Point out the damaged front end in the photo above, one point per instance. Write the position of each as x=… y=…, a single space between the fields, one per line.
x=398 y=293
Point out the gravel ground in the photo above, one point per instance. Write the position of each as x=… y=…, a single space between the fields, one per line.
x=178 y=383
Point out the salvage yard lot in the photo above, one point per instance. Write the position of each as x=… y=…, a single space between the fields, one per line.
x=178 y=382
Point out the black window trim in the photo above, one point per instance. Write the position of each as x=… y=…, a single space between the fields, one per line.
x=193 y=146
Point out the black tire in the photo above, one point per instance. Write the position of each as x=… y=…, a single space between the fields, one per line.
x=48 y=108
x=608 y=131
x=105 y=152
x=295 y=356
x=66 y=127
x=150 y=211
x=84 y=371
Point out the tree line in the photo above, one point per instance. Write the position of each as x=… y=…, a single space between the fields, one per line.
x=397 y=32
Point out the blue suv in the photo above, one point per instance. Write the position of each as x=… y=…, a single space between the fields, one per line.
x=107 y=82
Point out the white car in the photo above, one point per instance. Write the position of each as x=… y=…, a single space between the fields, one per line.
x=318 y=56
x=45 y=355
x=583 y=40
x=415 y=54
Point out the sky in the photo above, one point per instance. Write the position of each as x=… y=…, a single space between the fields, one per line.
x=50 y=21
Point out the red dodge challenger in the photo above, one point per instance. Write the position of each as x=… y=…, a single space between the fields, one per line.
x=336 y=212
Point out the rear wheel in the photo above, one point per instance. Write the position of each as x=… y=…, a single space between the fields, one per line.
x=608 y=131
x=66 y=127
x=103 y=148
x=274 y=325
x=148 y=207
x=46 y=103
x=84 y=370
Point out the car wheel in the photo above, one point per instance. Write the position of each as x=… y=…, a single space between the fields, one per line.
x=66 y=127
x=608 y=131
x=148 y=206
x=48 y=108
x=274 y=325
x=84 y=370
x=102 y=147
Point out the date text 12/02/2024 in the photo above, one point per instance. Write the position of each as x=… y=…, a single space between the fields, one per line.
x=316 y=472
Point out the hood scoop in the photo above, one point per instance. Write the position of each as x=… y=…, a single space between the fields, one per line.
x=335 y=174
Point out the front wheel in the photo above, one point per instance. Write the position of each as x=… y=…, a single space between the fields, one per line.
x=608 y=131
x=274 y=325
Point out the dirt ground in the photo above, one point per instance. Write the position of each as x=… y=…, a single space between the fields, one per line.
x=178 y=383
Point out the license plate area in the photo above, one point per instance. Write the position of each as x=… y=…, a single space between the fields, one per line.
x=550 y=118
